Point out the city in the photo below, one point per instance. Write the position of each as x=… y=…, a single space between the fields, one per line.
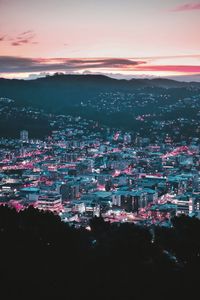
x=99 y=149
x=84 y=170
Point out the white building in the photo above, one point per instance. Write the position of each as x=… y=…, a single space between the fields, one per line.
x=24 y=136
x=50 y=201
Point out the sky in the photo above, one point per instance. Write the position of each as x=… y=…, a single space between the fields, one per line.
x=121 y=38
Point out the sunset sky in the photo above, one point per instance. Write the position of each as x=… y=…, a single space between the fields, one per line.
x=127 y=37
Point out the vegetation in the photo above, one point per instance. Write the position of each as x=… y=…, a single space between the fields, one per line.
x=140 y=105
x=44 y=257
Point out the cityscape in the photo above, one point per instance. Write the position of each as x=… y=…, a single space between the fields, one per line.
x=99 y=149
x=84 y=169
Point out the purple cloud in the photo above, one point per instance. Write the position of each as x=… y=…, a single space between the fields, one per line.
x=15 y=44
x=26 y=32
x=25 y=37
x=10 y=64
x=187 y=7
x=2 y=38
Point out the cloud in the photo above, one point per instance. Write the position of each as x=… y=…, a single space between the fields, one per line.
x=2 y=38
x=187 y=78
x=21 y=42
x=26 y=37
x=11 y=64
x=36 y=75
x=26 y=32
x=195 y=56
x=187 y=7
x=170 y=68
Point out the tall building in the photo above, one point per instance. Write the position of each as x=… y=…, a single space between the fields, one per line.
x=138 y=140
x=24 y=136
x=129 y=200
x=127 y=138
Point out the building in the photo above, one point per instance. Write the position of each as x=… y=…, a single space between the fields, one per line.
x=30 y=193
x=50 y=201
x=78 y=206
x=162 y=211
x=24 y=136
x=130 y=200
x=184 y=204
x=127 y=138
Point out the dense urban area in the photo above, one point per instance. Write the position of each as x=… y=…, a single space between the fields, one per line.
x=84 y=169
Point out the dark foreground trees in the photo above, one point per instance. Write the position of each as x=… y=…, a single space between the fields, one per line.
x=41 y=257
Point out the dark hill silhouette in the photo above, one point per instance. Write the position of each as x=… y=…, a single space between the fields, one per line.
x=111 y=102
x=42 y=257
x=58 y=91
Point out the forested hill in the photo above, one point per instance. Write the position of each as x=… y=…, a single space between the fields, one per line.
x=135 y=104
x=42 y=257
x=61 y=91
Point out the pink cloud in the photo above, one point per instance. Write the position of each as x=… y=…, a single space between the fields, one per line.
x=9 y=64
x=2 y=38
x=186 y=7
x=171 y=68
x=15 y=44
x=25 y=37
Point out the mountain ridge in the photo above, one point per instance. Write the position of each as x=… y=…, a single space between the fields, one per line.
x=155 y=82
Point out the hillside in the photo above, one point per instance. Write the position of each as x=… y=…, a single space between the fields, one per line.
x=68 y=90
x=116 y=103
x=43 y=255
